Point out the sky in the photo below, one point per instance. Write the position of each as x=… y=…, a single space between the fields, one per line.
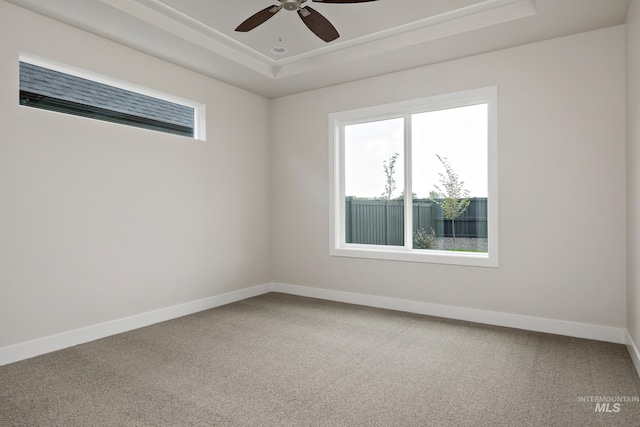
x=459 y=134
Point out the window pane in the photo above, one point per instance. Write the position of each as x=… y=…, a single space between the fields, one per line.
x=374 y=182
x=450 y=179
x=65 y=93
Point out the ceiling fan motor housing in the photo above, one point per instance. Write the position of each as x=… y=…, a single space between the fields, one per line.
x=291 y=4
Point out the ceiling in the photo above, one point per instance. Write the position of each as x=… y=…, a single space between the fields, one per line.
x=376 y=37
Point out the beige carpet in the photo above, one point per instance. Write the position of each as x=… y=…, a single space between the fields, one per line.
x=280 y=360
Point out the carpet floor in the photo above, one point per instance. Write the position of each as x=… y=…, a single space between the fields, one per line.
x=282 y=360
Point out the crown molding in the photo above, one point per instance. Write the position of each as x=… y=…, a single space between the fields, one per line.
x=179 y=24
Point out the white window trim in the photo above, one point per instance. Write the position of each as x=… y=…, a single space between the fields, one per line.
x=338 y=120
x=199 y=110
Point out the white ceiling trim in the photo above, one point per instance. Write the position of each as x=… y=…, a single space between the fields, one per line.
x=440 y=27
x=182 y=25
x=484 y=14
x=171 y=20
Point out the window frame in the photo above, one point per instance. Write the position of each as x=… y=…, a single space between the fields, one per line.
x=404 y=109
x=96 y=113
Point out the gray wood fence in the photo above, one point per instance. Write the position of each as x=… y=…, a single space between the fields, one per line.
x=381 y=222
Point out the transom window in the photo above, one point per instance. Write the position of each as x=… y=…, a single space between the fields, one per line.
x=417 y=180
x=59 y=89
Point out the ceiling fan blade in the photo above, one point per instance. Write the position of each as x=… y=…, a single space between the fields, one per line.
x=259 y=18
x=341 y=1
x=318 y=24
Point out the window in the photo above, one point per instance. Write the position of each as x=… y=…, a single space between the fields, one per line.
x=42 y=86
x=417 y=180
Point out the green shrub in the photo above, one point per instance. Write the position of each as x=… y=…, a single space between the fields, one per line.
x=424 y=240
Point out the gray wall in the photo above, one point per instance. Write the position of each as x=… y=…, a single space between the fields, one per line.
x=101 y=221
x=561 y=139
x=633 y=172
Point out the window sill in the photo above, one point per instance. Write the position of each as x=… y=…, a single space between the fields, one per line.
x=391 y=253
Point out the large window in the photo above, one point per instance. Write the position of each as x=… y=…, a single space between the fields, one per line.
x=62 y=89
x=417 y=180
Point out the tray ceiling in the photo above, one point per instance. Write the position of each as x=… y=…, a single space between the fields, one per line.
x=375 y=37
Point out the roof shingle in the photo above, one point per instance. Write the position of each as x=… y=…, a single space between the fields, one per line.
x=55 y=84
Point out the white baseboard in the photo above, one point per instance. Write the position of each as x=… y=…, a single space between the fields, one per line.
x=634 y=352
x=48 y=344
x=538 y=324
x=44 y=345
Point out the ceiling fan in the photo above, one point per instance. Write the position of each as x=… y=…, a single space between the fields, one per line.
x=318 y=24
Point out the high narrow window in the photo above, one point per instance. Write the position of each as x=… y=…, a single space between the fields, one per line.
x=49 y=89
x=417 y=181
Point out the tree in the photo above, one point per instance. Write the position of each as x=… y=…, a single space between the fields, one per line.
x=401 y=196
x=389 y=171
x=453 y=198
